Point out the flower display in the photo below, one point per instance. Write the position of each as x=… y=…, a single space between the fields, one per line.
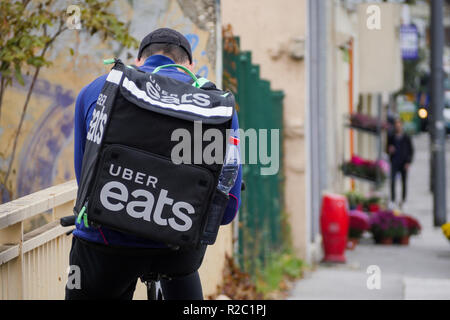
x=383 y=165
x=366 y=169
x=400 y=228
x=385 y=224
x=359 y=202
x=359 y=222
x=395 y=225
x=413 y=225
x=374 y=207
x=365 y=122
x=381 y=224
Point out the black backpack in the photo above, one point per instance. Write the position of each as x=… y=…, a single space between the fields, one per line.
x=132 y=181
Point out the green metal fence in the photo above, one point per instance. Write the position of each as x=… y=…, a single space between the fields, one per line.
x=259 y=107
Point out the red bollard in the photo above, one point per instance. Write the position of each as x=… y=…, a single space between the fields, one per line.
x=334 y=223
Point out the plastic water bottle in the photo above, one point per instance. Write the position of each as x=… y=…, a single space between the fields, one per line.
x=230 y=167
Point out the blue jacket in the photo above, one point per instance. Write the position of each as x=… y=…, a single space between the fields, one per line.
x=84 y=107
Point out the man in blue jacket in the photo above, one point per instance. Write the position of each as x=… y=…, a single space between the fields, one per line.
x=110 y=262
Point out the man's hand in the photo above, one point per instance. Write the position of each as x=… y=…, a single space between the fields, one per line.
x=391 y=149
x=407 y=166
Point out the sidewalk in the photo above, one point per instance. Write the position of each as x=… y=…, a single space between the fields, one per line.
x=418 y=271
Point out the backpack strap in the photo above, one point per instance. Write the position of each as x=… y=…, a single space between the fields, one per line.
x=197 y=82
x=203 y=82
x=189 y=72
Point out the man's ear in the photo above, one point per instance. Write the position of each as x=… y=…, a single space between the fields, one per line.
x=139 y=62
x=191 y=66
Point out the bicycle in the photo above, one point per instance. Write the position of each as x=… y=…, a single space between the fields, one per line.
x=151 y=280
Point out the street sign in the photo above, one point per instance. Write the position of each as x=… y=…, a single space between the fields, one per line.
x=409 y=38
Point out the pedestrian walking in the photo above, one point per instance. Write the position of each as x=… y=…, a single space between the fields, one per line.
x=401 y=152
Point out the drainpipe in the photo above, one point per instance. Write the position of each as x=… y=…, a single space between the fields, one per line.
x=350 y=103
x=316 y=113
x=437 y=106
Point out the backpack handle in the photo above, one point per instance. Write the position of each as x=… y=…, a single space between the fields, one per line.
x=196 y=83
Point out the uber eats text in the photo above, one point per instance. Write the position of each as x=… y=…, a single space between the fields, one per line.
x=140 y=203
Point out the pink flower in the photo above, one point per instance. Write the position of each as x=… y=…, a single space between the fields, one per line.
x=383 y=165
x=359 y=220
x=357 y=160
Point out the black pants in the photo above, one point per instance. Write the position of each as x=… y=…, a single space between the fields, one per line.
x=112 y=273
x=396 y=169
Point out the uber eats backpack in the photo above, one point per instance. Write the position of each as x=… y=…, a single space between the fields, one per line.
x=129 y=181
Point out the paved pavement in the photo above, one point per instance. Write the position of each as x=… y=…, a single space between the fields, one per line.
x=418 y=271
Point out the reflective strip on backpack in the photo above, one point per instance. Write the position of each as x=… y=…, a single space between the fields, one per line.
x=114 y=76
x=220 y=111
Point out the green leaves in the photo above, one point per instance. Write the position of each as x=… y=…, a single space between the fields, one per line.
x=22 y=38
x=29 y=28
x=280 y=268
x=18 y=75
x=96 y=18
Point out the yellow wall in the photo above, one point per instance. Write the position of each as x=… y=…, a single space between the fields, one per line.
x=268 y=28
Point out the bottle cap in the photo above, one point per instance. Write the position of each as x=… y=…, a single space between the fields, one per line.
x=234 y=141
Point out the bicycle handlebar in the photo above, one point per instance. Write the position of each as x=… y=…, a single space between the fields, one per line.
x=68 y=221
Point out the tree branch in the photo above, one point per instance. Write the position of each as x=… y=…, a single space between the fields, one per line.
x=47 y=45
x=2 y=90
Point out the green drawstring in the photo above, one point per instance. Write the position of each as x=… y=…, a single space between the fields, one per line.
x=83 y=215
x=189 y=72
x=108 y=61
x=198 y=82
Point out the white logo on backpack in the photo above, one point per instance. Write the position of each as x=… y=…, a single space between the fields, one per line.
x=98 y=122
x=147 y=207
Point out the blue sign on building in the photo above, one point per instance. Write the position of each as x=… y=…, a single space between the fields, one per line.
x=409 y=37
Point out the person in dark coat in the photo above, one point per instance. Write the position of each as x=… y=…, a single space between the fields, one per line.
x=401 y=152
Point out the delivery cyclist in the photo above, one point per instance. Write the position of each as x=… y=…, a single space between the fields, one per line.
x=110 y=262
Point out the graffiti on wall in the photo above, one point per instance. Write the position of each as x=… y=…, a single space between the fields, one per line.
x=45 y=145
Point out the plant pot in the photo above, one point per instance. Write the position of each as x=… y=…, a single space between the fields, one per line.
x=404 y=241
x=352 y=242
x=386 y=240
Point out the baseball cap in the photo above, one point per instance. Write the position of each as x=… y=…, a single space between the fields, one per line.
x=166 y=35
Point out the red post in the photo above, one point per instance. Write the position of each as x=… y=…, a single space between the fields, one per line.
x=334 y=223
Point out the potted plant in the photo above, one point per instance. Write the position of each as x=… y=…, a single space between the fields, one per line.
x=359 y=202
x=359 y=222
x=382 y=227
x=365 y=169
x=413 y=225
x=372 y=204
x=355 y=200
x=446 y=230
x=366 y=122
x=401 y=232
